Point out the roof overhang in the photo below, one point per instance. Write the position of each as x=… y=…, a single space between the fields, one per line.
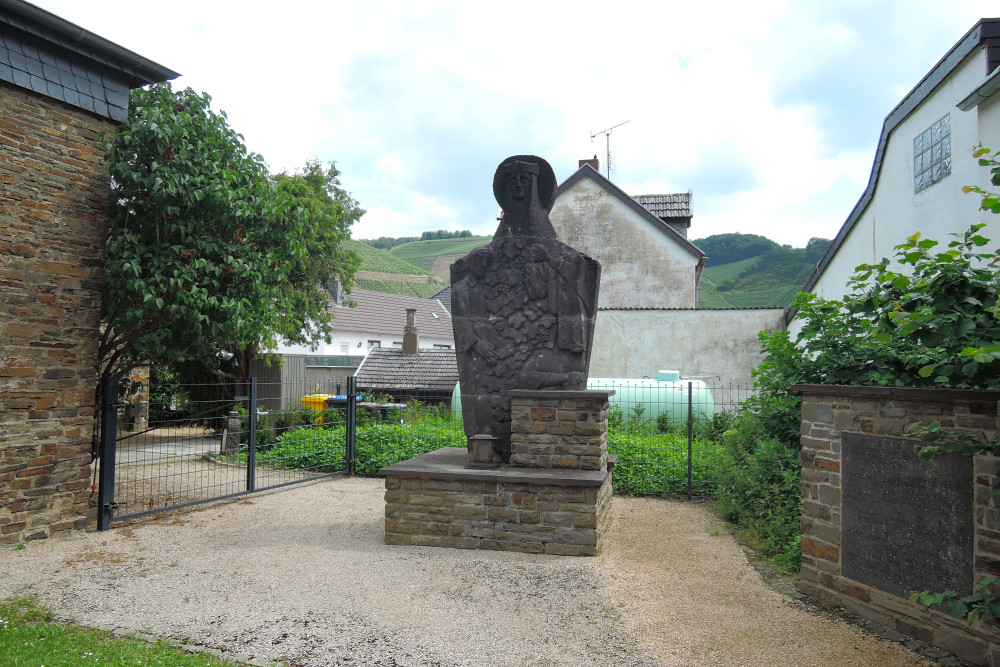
x=984 y=30
x=984 y=91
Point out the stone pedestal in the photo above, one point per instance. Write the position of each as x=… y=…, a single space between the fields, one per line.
x=553 y=498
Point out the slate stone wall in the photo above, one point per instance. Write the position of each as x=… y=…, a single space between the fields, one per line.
x=858 y=470
x=554 y=498
x=52 y=231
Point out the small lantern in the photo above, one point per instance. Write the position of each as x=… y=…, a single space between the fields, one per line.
x=481 y=446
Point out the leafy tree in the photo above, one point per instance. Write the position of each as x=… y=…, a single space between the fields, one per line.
x=200 y=241
x=328 y=261
x=388 y=242
x=728 y=248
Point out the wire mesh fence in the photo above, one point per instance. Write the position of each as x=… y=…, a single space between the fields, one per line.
x=668 y=435
x=208 y=442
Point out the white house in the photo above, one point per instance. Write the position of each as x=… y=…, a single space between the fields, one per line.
x=646 y=260
x=377 y=320
x=922 y=161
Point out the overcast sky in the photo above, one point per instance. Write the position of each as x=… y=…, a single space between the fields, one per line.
x=768 y=111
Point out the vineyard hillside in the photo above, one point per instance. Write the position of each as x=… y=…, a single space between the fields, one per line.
x=383 y=272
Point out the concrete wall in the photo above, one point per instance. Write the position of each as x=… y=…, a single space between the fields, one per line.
x=642 y=265
x=53 y=196
x=717 y=346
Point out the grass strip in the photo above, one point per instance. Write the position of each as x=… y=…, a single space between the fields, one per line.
x=30 y=637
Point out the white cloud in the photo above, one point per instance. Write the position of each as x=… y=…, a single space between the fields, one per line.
x=769 y=111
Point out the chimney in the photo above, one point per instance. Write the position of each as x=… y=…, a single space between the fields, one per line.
x=411 y=341
x=593 y=163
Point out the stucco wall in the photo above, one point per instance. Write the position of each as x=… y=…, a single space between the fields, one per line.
x=895 y=211
x=53 y=196
x=718 y=346
x=641 y=265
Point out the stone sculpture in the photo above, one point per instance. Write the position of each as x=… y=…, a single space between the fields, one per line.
x=523 y=306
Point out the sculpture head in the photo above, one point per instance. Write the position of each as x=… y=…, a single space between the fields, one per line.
x=479 y=262
x=522 y=179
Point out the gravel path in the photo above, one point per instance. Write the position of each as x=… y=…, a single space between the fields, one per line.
x=301 y=574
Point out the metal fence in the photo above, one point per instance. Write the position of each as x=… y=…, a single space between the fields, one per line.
x=669 y=435
x=215 y=441
x=210 y=442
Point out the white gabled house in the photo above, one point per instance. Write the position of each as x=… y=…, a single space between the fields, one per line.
x=922 y=161
x=641 y=242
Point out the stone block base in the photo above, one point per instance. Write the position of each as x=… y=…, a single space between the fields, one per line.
x=433 y=500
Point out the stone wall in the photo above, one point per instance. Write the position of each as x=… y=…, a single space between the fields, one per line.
x=553 y=498
x=530 y=516
x=52 y=231
x=877 y=523
x=559 y=429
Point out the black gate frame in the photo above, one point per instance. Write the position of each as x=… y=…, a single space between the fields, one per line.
x=108 y=441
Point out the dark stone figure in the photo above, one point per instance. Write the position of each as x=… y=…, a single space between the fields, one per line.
x=523 y=306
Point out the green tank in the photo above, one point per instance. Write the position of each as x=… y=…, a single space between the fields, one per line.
x=663 y=396
x=667 y=395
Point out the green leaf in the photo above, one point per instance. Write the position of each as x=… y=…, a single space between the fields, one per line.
x=957 y=608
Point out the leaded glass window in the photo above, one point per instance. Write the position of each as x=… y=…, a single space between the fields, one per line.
x=932 y=154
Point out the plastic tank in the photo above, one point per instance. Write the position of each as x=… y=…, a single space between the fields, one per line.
x=667 y=394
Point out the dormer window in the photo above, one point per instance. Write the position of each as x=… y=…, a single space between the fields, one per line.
x=932 y=155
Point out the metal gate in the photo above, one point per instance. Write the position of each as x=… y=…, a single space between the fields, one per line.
x=224 y=441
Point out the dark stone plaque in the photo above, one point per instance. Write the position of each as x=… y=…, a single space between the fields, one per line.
x=907 y=525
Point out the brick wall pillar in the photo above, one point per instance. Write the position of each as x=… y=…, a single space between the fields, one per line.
x=559 y=429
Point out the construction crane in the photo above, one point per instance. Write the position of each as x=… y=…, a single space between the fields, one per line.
x=607 y=151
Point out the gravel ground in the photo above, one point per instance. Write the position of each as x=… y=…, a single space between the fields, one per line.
x=301 y=574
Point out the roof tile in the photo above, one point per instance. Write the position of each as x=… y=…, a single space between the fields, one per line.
x=676 y=205
x=392 y=369
x=378 y=312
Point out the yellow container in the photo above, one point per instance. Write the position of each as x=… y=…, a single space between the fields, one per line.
x=315 y=401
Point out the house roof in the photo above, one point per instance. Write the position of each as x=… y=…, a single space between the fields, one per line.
x=444 y=296
x=53 y=57
x=392 y=369
x=587 y=171
x=381 y=313
x=986 y=31
x=677 y=205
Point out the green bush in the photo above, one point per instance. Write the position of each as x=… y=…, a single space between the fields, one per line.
x=310 y=448
x=759 y=490
x=657 y=464
x=321 y=447
x=382 y=443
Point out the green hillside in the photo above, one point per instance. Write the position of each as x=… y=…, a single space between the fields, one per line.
x=769 y=278
x=435 y=256
x=379 y=261
x=382 y=272
x=760 y=273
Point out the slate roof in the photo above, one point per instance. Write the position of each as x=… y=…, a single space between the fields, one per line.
x=444 y=296
x=53 y=57
x=381 y=313
x=667 y=206
x=392 y=369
